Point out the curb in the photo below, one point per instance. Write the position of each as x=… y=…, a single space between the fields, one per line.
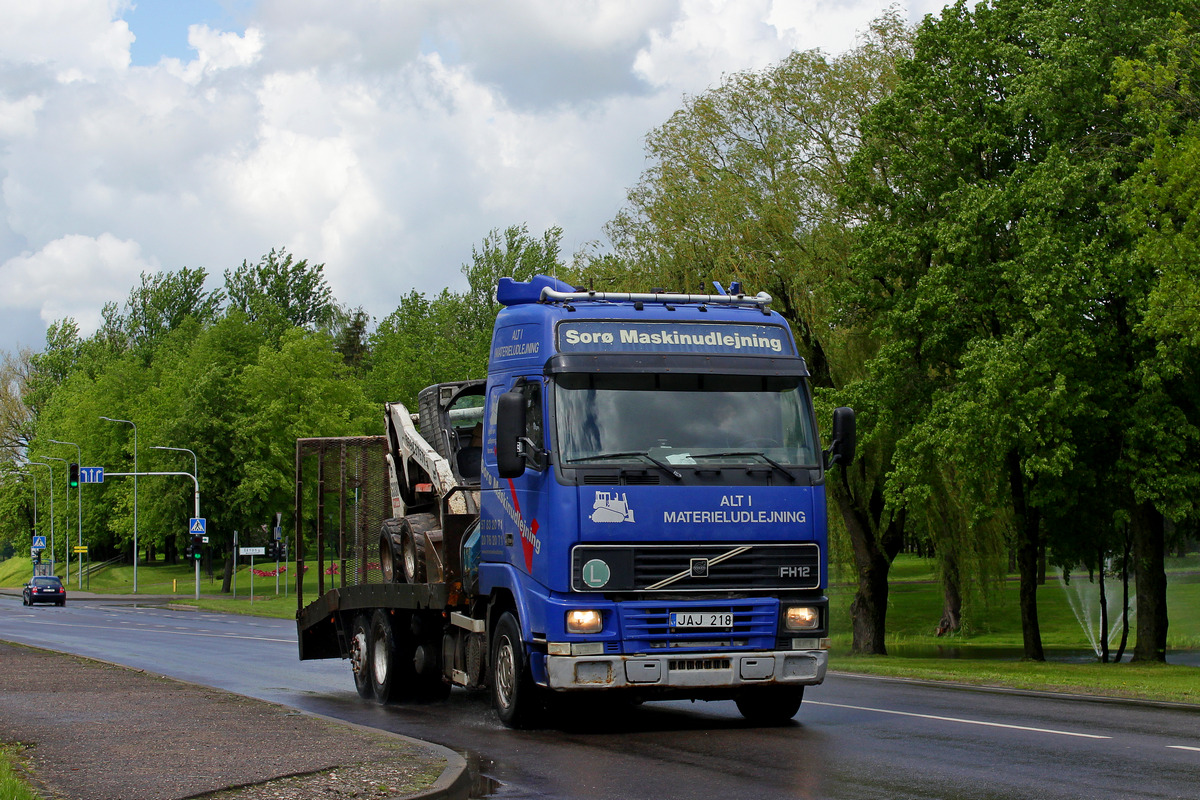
x=455 y=781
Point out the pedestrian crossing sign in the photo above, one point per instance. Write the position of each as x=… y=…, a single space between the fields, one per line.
x=197 y=525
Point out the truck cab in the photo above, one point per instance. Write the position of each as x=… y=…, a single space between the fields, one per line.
x=653 y=511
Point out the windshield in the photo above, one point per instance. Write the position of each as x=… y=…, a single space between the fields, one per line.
x=47 y=582
x=683 y=419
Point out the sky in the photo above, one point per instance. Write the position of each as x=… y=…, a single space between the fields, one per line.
x=381 y=138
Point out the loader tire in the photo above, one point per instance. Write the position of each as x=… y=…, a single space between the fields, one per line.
x=412 y=545
x=389 y=552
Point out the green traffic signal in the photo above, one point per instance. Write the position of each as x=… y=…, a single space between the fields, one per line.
x=74 y=476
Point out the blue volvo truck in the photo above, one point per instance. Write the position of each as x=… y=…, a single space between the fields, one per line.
x=632 y=502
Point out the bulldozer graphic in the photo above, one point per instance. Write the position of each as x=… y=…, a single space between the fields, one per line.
x=609 y=507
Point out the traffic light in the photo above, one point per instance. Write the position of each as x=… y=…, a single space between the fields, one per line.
x=272 y=550
x=74 y=476
x=196 y=548
x=37 y=557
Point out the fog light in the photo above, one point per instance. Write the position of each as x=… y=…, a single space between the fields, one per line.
x=584 y=621
x=801 y=618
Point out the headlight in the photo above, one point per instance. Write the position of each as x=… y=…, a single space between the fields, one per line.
x=584 y=621
x=801 y=618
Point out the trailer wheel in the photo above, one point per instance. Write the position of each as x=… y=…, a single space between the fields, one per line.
x=514 y=694
x=360 y=656
x=771 y=706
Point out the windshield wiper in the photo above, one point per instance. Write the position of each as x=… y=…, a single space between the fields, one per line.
x=667 y=468
x=763 y=456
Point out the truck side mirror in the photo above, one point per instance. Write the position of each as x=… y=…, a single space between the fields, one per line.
x=510 y=427
x=841 y=448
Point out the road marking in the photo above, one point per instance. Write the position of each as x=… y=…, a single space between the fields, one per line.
x=962 y=721
x=1183 y=747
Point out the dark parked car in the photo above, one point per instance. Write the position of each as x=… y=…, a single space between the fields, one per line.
x=44 y=590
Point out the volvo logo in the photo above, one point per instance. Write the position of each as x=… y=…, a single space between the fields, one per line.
x=699 y=568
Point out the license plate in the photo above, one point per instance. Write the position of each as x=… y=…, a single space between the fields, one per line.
x=702 y=619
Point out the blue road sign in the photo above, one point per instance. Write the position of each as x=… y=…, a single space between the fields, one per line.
x=197 y=525
x=39 y=542
x=91 y=474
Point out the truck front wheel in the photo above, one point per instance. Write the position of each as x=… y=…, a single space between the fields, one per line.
x=514 y=694
x=771 y=706
x=360 y=656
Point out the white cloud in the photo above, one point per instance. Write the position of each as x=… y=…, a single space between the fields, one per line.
x=216 y=51
x=67 y=277
x=77 y=38
x=382 y=139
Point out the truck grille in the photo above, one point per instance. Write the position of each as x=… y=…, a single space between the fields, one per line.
x=696 y=568
x=647 y=628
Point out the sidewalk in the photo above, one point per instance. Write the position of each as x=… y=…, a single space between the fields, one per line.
x=99 y=731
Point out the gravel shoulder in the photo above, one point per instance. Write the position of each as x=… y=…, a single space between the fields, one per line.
x=98 y=731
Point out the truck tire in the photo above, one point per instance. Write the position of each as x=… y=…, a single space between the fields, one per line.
x=388 y=662
x=360 y=656
x=514 y=694
x=770 y=705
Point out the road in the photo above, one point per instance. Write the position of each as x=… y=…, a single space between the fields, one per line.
x=854 y=737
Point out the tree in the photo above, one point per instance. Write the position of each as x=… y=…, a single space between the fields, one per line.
x=351 y=338
x=997 y=274
x=280 y=293
x=164 y=300
x=302 y=389
x=16 y=417
x=1159 y=90
x=743 y=185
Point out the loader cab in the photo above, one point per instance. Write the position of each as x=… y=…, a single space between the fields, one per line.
x=451 y=419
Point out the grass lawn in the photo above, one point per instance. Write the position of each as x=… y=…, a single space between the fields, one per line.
x=1160 y=682
x=915 y=607
x=987 y=652
x=12 y=785
x=179 y=580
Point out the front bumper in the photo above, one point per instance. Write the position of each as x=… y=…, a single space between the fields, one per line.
x=688 y=670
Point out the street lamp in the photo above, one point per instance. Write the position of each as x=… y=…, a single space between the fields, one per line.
x=196 y=480
x=135 y=469
x=34 y=476
x=67 y=543
x=79 y=503
x=47 y=466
